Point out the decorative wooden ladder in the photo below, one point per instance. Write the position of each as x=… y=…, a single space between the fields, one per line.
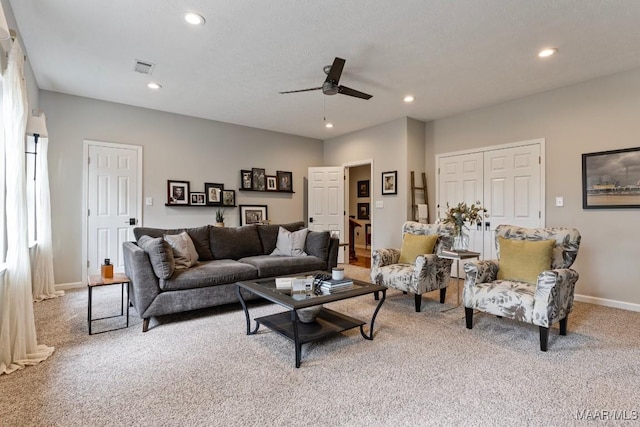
x=414 y=206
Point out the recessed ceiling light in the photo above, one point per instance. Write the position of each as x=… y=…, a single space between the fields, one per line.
x=328 y=125
x=154 y=86
x=409 y=98
x=547 y=52
x=194 y=18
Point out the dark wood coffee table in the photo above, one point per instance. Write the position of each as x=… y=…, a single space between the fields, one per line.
x=328 y=322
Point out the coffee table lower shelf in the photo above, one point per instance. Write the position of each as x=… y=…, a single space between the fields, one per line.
x=327 y=323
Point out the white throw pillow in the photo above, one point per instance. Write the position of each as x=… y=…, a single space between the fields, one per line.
x=291 y=243
x=184 y=252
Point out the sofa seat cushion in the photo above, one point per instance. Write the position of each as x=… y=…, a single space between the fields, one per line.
x=271 y=265
x=235 y=242
x=209 y=273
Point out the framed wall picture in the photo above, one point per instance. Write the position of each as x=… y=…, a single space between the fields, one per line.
x=363 y=188
x=228 y=198
x=611 y=179
x=253 y=214
x=246 y=180
x=272 y=183
x=197 y=199
x=363 y=210
x=177 y=192
x=258 y=179
x=389 y=183
x=213 y=193
x=285 y=181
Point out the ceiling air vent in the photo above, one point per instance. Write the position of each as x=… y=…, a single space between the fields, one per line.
x=143 y=67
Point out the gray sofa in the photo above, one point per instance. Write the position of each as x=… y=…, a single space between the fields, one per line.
x=226 y=255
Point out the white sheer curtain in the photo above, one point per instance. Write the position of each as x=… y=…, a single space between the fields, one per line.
x=42 y=259
x=18 y=342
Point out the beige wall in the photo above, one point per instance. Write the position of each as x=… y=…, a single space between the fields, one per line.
x=601 y=114
x=386 y=144
x=174 y=147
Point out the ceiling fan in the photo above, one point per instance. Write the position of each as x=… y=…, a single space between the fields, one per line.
x=330 y=85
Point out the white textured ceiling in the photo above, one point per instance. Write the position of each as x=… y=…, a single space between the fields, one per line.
x=453 y=55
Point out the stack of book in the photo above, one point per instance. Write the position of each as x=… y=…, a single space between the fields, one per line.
x=330 y=285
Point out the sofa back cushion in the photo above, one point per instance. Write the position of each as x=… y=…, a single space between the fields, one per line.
x=235 y=242
x=269 y=234
x=160 y=255
x=199 y=237
x=318 y=244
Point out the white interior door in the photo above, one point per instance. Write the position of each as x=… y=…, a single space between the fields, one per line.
x=461 y=180
x=507 y=180
x=326 y=201
x=512 y=178
x=113 y=202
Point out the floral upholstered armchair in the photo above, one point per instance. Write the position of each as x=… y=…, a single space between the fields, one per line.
x=425 y=272
x=542 y=299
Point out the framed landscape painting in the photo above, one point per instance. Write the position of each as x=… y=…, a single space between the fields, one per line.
x=611 y=179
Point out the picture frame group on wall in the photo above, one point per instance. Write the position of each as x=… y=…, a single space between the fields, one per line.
x=197 y=199
x=213 y=193
x=363 y=188
x=285 y=181
x=611 y=179
x=253 y=214
x=246 y=179
x=272 y=183
x=228 y=198
x=258 y=179
x=389 y=183
x=177 y=192
x=363 y=211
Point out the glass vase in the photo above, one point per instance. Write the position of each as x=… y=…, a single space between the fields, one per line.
x=461 y=242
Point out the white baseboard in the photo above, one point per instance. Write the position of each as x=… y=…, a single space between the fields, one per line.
x=607 y=302
x=67 y=286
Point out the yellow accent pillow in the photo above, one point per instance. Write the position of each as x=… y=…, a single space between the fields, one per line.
x=414 y=245
x=524 y=260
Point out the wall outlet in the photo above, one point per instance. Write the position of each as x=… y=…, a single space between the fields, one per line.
x=559 y=201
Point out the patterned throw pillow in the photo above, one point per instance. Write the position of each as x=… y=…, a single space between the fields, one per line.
x=524 y=260
x=291 y=243
x=414 y=245
x=184 y=252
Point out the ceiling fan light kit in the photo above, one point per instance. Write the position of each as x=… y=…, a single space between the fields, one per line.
x=331 y=84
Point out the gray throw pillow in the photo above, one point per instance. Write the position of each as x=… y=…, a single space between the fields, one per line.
x=200 y=238
x=291 y=243
x=160 y=255
x=184 y=253
x=318 y=244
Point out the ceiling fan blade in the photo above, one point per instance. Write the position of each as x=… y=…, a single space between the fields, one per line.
x=352 y=92
x=336 y=71
x=301 y=90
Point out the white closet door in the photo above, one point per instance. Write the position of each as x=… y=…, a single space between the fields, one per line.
x=512 y=190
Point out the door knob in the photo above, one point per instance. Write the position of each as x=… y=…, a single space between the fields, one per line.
x=132 y=221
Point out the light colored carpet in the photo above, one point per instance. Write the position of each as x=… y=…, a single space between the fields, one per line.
x=421 y=369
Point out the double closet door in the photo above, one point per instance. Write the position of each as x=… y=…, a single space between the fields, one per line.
x=507 y=180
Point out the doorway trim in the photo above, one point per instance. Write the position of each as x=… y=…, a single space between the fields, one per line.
x=372 y=187
x=85 y=192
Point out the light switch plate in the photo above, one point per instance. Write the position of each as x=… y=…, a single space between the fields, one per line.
x=149 y=201
x=559 y=201
x=379 y=204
